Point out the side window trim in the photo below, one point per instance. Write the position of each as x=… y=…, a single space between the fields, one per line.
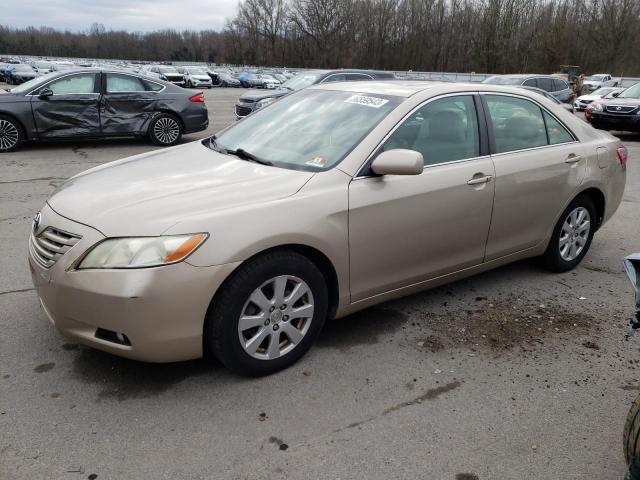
x=140 y=79
x=492 y=143
x=365 y=172
x=33 y=94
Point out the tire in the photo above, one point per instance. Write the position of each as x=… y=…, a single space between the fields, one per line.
x=576 y=239
x=165 y=130
x=11 y=134
x=230 y=343
x=631 y=440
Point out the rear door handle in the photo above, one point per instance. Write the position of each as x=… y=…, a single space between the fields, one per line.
x=479 y=180
x=573 y=158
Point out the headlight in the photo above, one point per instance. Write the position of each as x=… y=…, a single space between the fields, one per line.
x=139 y=252
x=264 y=102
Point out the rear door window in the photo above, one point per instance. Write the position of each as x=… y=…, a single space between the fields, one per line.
x=517 y=123
x=530 y=82
x=118 y=83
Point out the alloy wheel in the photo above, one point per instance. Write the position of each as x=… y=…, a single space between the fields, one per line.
x=276 y=317
x=574 y=233
x=166 y=130
x=9 y=135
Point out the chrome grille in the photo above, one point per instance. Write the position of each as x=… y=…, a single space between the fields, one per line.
x=620 y=108
x=51 y=244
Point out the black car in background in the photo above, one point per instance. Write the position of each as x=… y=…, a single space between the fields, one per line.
x=620 y=113
x=256 y=99
x=557 y=87
x=98 y=103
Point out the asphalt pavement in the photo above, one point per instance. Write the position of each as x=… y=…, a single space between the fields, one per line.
x=512 y=374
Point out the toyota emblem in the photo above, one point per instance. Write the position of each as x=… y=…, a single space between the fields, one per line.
x=36 y=222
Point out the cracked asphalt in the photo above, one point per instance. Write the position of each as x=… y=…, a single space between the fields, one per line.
x=512 y=374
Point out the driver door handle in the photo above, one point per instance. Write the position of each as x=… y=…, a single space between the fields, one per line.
x=573 y=158
x=479 y=180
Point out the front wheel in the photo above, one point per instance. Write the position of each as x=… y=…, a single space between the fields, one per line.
x=571 y=236
x=11 y=134
x=268 y=314
x=165 y=130
x=631 y=441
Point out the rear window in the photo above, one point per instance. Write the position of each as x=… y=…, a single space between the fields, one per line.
x=546 y=84
x=559 y=85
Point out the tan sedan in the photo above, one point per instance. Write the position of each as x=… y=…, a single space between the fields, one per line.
x=328 y=201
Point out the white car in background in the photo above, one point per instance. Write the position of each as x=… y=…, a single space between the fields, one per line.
x=42 y=67
x=583 y=101
x=269 y=81
x=599 y=80
x=196 y=77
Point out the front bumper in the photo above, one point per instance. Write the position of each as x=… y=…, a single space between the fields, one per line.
x=160 y=310
x=616 y=121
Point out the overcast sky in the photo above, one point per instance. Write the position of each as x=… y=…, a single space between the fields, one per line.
x=134 y=15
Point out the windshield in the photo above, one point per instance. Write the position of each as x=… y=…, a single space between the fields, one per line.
x=631 y=92
x=167 y=70
x=31 y=84
x=24 y=68
x=312 y=130
x=499 y=80
x=595 y=77
x=196 y=71
x=302 y=80
x=42 y=65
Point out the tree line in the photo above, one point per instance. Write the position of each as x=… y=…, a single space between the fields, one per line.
x=484 y=36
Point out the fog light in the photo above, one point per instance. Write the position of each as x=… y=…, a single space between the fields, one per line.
x=114 y=337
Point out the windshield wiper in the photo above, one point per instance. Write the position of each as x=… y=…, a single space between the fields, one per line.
x=239 y=152
x=244 y=155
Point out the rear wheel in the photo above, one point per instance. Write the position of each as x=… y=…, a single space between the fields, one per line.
x=11 y=134
x=572 y=235
x=268 y=314
x=165 y=130
x=631 y=440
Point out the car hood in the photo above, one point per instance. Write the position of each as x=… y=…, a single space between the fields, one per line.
x=256 y=95
x=201 y=77
x=592 y=82
x=622 y=101
x=589 y=98
x=149 y=193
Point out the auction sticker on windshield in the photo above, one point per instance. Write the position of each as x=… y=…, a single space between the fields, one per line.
x=367 y=101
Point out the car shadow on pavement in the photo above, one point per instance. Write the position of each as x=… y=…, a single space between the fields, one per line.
x=123 y=379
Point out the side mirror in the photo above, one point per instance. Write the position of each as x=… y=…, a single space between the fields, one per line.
x=398 y=162
x=45 y=92
x=616 y=94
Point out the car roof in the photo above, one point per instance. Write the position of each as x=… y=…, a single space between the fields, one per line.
x=527 y=75
x=408 y=88
x=400 y=88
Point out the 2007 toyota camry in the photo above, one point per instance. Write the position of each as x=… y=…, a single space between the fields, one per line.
x=328 y=201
